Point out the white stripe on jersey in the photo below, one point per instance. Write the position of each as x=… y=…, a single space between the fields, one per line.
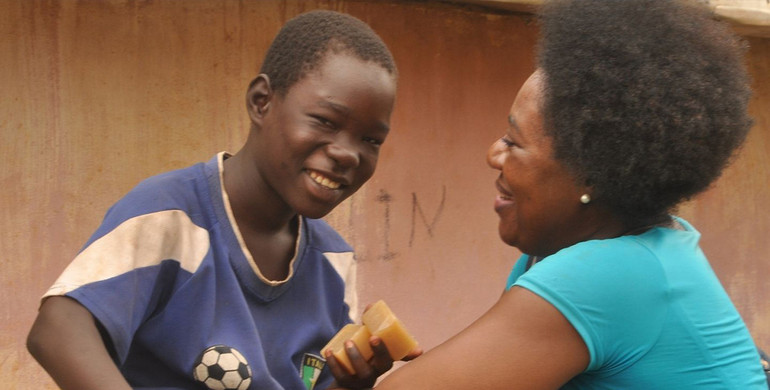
x=345 y=265
x=138 y=242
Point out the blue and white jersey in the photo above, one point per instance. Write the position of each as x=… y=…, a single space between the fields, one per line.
x=168 y=276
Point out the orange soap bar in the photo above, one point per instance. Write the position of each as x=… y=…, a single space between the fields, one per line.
x=359 y=334
x=384 y=324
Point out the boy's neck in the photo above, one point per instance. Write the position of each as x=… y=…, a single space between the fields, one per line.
x=269 y=228
x=250 y=202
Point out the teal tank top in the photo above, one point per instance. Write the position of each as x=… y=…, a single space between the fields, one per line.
x=650 y=310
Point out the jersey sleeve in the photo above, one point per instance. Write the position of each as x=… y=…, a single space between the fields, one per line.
x=129 y=269
x=600 y=287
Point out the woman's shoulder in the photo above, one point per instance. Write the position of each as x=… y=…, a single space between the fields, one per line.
x=596 y=272
x=624 y=251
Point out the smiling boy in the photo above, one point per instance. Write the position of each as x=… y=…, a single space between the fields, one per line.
x=228 y=258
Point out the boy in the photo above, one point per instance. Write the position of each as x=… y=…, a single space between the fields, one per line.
x=220 y=275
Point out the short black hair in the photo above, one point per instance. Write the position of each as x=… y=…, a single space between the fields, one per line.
x=303 y=41
x=646 y=100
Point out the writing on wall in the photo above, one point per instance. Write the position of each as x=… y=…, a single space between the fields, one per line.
x=422 y=217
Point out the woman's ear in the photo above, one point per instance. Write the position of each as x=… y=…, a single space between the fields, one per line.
x=258 y=98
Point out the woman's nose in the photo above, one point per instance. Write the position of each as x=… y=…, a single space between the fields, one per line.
x=495 y=155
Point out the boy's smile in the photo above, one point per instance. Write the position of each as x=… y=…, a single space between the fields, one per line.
x=323 y=180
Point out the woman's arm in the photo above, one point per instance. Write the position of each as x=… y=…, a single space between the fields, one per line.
x=66 y=341
x=522 y=342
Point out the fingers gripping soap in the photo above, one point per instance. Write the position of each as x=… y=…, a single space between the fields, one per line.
x=383 y=323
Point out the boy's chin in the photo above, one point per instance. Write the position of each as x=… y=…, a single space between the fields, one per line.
x=316 y=212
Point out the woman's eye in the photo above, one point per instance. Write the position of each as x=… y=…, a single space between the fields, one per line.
x=507 y=142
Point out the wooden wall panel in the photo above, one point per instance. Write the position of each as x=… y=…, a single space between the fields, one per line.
x=99 y=95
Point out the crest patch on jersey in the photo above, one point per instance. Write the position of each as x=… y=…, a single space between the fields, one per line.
x=311 y=369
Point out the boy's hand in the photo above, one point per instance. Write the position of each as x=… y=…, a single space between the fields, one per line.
x=367 y=372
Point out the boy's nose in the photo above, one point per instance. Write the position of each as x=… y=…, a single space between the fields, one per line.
x=345 y=154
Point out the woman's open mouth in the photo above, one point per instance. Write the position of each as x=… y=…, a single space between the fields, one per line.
x=503 y=198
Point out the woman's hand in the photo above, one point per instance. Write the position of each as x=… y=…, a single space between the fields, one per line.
x=367 y=372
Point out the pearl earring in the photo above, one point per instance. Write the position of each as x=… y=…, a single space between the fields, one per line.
x=585 y=199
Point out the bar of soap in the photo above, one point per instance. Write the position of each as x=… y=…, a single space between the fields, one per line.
x=384 y=324
x=359 y=334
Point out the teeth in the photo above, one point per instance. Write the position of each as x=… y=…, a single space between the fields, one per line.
x=324 y=181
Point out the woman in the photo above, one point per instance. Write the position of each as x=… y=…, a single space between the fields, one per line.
x=636 y=105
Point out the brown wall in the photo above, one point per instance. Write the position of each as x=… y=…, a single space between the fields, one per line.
x=99 y=95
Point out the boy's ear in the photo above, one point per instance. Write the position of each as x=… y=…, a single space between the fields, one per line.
x=258 y=98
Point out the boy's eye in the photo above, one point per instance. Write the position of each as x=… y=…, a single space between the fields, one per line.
x=324 y=122
x=373 y=141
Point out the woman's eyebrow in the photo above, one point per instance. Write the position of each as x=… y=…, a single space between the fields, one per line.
x=512 y=123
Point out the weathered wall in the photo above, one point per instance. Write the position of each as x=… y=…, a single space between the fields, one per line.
x=99 y=95
x=749 y=17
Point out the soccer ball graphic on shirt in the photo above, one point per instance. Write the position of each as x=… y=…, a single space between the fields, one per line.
x=220 y=367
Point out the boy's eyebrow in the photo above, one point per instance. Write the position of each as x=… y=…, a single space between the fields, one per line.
x=344 y=110
x=334 y=106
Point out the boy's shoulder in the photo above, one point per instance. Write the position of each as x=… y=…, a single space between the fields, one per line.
x=183 y=189
x=170 y=187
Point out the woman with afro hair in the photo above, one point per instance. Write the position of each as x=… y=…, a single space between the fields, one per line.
x=635 y=106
